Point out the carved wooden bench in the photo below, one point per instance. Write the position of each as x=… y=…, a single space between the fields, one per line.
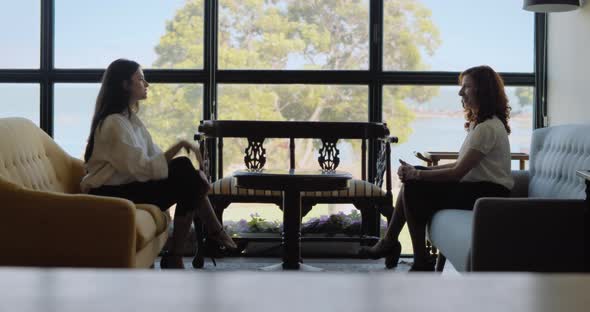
x=366 y=193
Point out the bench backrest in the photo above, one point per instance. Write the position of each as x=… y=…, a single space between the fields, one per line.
x=556 y=153
x=293 y=129
x=328 y=132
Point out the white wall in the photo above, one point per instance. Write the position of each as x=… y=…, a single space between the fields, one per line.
x=568 y=98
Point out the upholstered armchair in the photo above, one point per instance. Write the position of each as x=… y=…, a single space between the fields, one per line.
x=46 y=221
x=541 y=227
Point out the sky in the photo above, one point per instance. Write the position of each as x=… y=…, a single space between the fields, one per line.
x=498 y=33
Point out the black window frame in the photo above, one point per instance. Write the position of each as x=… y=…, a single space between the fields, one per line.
x=210 y=76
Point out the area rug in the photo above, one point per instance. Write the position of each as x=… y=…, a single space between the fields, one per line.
x=325 y=264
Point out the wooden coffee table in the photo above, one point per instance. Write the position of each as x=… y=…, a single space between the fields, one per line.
x=292 y=183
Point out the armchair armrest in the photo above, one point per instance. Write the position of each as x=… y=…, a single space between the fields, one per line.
x=54 y=229
x=521 y=183
x=528 y=234
x=77 y=172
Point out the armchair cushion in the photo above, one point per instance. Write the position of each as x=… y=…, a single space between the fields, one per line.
x=356 y=188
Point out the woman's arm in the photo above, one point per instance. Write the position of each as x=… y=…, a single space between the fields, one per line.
x=448 y=172
x=173 y=150
x=115 y=143
x=445 y=166
x=189 y=147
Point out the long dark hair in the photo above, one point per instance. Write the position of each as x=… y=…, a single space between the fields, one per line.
x=490 y=96
x=112 y=98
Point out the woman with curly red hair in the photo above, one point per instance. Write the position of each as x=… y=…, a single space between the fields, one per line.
x=481 y=170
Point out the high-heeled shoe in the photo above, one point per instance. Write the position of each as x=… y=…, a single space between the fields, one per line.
x=384 y=248
x=204 y=248
x=427 y=266
x=210 y=247
x=171 y=261
x=222 y=239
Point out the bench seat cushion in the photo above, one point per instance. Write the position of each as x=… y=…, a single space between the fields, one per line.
x=356 y=188
x=227 y=186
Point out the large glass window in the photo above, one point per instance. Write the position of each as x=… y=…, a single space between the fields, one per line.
x=453 y=35
x=292 y=34
x=157 y=34
x=20 y=100
x=74 y=106
x=171 y=112
x=20 y=23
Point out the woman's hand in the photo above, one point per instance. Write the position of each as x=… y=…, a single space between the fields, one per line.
x=406 y=172
x=187 y=146
x=190 y=147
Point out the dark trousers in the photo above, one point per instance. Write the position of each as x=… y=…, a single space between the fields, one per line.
x=183 y=187
x=425 y=198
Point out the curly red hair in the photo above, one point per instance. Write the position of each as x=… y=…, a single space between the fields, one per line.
x=490 y=96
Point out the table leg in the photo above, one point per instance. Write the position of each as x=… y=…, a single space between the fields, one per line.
x=291 y=229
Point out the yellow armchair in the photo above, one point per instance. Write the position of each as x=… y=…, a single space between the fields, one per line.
x=47 y=222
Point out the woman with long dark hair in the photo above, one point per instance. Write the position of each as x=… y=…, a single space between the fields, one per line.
x=123 y=161
x=481 y=170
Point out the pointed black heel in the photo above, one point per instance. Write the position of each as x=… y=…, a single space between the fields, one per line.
x=203 y=249
x=383 y=249
x=208 y=246
x=222 y=239
x=171 y=261
x=427 y=266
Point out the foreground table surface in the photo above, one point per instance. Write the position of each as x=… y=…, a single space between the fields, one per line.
x=144 y=290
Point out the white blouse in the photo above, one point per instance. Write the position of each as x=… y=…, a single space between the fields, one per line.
x=123 y=153
x=491 y=139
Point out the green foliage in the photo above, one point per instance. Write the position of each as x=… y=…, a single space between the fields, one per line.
x=349 y=224
x=270 y=34
x=258 y=224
